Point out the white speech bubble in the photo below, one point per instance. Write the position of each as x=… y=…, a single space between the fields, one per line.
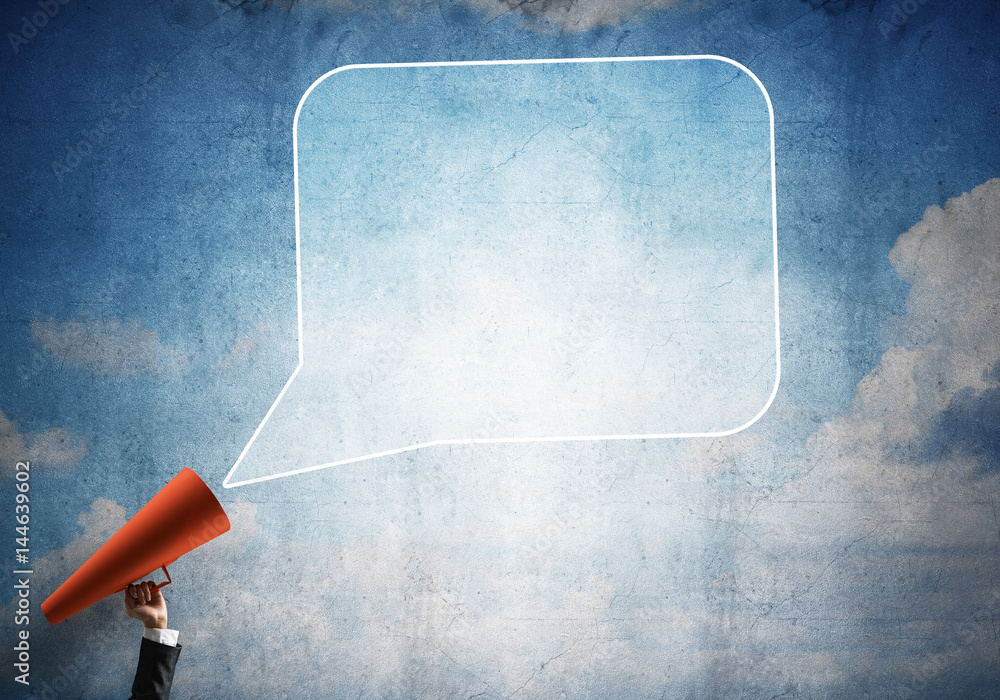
x=519 y=251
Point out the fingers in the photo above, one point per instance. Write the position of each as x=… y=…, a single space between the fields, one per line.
x=141 y=594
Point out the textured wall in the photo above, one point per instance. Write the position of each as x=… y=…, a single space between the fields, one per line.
x=843 y=546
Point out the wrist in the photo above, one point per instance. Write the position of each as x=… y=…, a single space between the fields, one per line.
x=159 y=624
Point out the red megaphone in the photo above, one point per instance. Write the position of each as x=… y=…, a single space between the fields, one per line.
x=182 y=516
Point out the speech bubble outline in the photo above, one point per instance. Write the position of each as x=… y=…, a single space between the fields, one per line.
x=228 y=483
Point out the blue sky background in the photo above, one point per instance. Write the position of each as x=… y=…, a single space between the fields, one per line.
x=844 y=546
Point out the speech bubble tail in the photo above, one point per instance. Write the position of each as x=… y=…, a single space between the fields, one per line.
x=231 y=481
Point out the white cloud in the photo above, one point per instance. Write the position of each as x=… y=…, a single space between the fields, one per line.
x=879 y=518
x=55 y=447
x=952 y=260
x=103 y=519
x=947 y=341
x=573 y=16
x=570 y=15
x=243 y=350
x=107 y=346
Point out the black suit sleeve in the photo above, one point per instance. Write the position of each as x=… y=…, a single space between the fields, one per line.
x=155 y=672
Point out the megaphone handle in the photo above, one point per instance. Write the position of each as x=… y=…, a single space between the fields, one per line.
x=158 y=586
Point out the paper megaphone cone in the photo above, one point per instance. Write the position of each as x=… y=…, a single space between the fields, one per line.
x=182 y=516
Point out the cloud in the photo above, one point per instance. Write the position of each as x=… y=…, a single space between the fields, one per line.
x=892 y=503
x=103 y=519
x=573 y=16
x=952 y=261
x=947 y=352
x=391 y=616
x=941 y=375
x=378 y=617
x=99 y=523
x=396 y=615
x=243 y=349
x=55 y=447
x=107 y=346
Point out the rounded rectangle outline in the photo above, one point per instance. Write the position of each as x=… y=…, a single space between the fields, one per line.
x=469 y=441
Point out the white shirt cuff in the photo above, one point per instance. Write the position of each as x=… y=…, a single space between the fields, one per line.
x=154 y=634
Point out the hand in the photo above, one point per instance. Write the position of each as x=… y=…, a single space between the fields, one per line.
x=146 y=604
